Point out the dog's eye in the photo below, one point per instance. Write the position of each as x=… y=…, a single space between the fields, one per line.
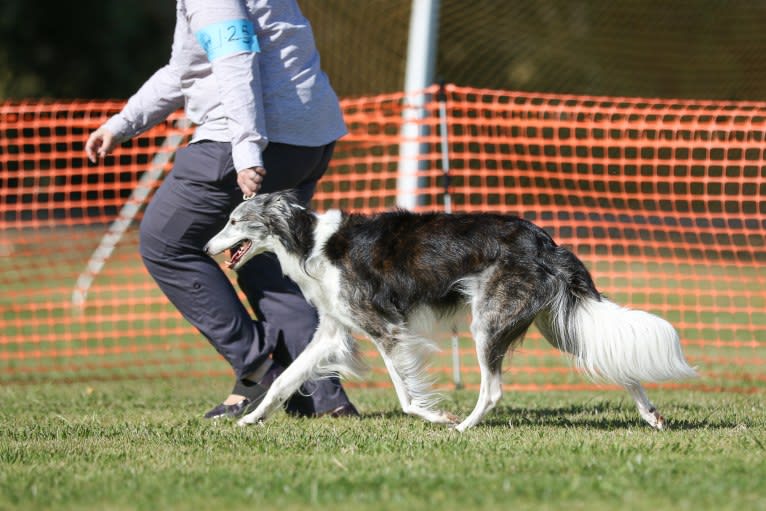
x=232 y=221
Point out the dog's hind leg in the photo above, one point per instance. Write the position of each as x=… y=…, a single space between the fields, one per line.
x=645 y=407
x=328 y=352
x=489 y=353
x=493 y=339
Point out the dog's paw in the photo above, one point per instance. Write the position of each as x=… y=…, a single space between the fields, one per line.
x=249 y=420
x=659 y=423
x=460 y=428
x=653 y=417
x=434 y=416
x=451 y=418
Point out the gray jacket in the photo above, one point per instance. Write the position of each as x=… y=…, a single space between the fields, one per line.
x=233 y=92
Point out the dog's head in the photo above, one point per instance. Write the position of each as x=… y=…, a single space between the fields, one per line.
x=254 y=227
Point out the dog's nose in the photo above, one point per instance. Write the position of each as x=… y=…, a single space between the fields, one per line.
x=206 y=248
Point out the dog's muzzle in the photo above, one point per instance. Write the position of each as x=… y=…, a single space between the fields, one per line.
x=237 y=252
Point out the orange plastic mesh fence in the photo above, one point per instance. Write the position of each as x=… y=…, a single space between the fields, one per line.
x=665 y=201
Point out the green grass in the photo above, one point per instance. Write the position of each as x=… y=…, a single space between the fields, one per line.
x=141 y=445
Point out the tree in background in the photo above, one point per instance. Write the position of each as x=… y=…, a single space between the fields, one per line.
x=84 y=49
x=707 y=49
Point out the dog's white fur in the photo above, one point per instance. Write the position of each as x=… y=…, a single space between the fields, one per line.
x=608 y=342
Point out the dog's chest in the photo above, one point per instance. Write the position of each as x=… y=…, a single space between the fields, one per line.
x=325 y=293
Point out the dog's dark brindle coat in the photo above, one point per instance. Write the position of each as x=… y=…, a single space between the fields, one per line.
x=399 y=259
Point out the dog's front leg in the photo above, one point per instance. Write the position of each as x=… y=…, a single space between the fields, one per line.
x=303 y=368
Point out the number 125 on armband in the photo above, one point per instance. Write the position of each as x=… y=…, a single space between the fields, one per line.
x=227 y=38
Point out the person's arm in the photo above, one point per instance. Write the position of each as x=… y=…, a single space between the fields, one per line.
x=157 y=98
x=228 y=37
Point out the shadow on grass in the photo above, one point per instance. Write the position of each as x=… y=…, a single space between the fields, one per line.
x=602 y=415
x=607 y=415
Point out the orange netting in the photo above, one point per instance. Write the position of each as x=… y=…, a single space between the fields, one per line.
x=664 y=200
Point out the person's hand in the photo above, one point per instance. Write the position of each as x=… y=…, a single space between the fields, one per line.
x=250 y=181
x=100 y=143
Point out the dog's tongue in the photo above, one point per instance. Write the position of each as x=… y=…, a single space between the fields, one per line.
x=237 y=252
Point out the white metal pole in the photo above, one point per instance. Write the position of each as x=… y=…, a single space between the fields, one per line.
x=419 y=74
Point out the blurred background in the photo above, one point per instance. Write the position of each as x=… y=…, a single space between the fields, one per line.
x=661 y=188
x=703 y=49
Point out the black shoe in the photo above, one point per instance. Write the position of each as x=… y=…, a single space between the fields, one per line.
x=233 y=411
x=347 y=410
x=253 y=393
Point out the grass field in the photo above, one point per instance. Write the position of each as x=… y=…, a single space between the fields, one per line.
x=142 y=445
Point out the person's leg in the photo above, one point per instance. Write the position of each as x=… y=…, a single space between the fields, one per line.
x=191 y=205
x=289 y=321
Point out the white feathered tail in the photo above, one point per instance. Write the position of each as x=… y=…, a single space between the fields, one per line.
x=613 y=343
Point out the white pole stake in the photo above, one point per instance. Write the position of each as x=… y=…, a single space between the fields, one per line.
x=421 y=60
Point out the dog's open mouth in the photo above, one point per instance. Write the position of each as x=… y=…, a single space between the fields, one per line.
x=237 y=252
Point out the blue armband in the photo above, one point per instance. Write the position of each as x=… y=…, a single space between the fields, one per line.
x=227 y=38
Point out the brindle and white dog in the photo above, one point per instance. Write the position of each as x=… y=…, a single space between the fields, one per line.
x=386 y=276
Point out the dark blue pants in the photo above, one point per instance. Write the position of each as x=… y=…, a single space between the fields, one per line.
x=190 y=207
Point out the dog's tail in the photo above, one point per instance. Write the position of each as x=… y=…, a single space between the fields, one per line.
x=607 y=341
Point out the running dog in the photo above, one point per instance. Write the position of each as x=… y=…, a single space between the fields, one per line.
x=389 y=276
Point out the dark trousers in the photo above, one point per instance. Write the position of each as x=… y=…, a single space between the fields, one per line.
x=190 y=207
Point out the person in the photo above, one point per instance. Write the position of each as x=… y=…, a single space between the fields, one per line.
x=248 y=75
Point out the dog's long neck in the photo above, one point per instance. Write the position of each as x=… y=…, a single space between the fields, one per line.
x=300 y=244
x=292 y=228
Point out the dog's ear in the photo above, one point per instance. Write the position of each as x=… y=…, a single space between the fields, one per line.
x=287 y=200
x=287 y=197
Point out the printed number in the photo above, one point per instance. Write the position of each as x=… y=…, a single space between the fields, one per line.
x=233 y=36
x=229 y=36
x=232 y=33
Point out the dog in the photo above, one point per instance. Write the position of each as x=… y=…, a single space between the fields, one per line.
x=391 y=275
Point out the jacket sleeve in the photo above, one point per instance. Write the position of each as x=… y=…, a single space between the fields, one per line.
x=225 y=32
x=157 y=98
